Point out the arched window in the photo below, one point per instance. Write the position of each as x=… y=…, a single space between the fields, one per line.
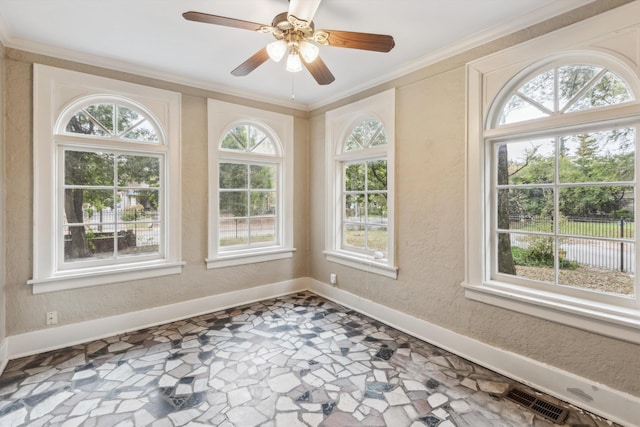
x=552 y=181
x=113 y=197
x=563 y=196
x=249 y=174
x=365 y=189
x=360 y=200
x=107 y=182
x=250 y=185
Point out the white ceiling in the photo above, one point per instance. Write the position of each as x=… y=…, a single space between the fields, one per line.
x=151 y=38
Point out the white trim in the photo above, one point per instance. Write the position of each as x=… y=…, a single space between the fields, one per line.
x=600 y=399
x=249 y=258
x=102 y=276
x=4 y=354
x=49 y=339
x=366 y=263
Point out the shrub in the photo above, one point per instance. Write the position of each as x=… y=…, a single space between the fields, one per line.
x=539 y=253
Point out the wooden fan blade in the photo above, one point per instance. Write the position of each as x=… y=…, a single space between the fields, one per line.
x=320 y=71
x=221 y=20
x=365 y=41
x=256 y=60
x=303 y=9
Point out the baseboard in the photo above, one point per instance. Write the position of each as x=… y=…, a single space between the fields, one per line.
x=4 y=355
x=600 y=399
x=49 y=339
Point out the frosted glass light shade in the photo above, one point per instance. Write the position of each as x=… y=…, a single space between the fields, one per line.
x=308 y=51
x=293 y=63
x=276 y=50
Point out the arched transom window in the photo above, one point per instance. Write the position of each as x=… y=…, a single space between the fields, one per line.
x=565 y=89
x=113 y=120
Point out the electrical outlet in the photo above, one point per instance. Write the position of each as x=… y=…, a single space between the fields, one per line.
x=333 y=279
x=52 y=317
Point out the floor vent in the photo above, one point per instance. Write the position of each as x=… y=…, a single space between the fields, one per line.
x=541 y=407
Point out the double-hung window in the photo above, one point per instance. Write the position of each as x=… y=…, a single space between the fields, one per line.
x=360 y=168
x=250 y=182
x=552 y=185
x=104 y=194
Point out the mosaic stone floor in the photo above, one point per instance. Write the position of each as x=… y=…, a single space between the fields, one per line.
x=298 y=360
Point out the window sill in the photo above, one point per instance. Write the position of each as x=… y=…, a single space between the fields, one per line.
x=366 y=263
x=74 y=279
x=605 y=319
x=231 y=259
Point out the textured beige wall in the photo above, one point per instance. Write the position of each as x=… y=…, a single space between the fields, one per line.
x=430 y=173
x=26 y=312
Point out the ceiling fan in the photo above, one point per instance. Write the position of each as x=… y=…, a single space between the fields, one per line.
x=297 y=38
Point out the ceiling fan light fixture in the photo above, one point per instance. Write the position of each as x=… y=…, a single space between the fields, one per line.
x=308 y=51
x=294 y=64
x=277 y=49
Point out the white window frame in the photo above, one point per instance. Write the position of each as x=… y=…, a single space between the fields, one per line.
x=58 y=93
x=339 y=125
x=222 y=117
x=604 y=40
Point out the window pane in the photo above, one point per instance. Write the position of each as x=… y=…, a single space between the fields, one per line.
x=541 y=89
x=139 y=205
x=369 y=133
x=609 y=90
x=233 y=203
x=103 y=114
x=83 y=205
x=127 y=118
x=606 y=156
x=143 y=132
x=233 y=175
x=528 y=256
x=354 y=235
x=141 y=238
x=354 y=177
x=87 y=168
x=377 y=175
x=138 y=171
x=256 y=137
x=81 y=123
x=266 y=147
x=263 y=230
x=377 y=238
x=518 y=110
x=263 y=203
x=233 y=232
x=596 y=204
x=377 y=208
x=82 y=243
x=236 y=139
x=572 y=79
x=598 y=265
x=263 y=177
x=528 y=209
x=354 y=207
x=526 y=162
